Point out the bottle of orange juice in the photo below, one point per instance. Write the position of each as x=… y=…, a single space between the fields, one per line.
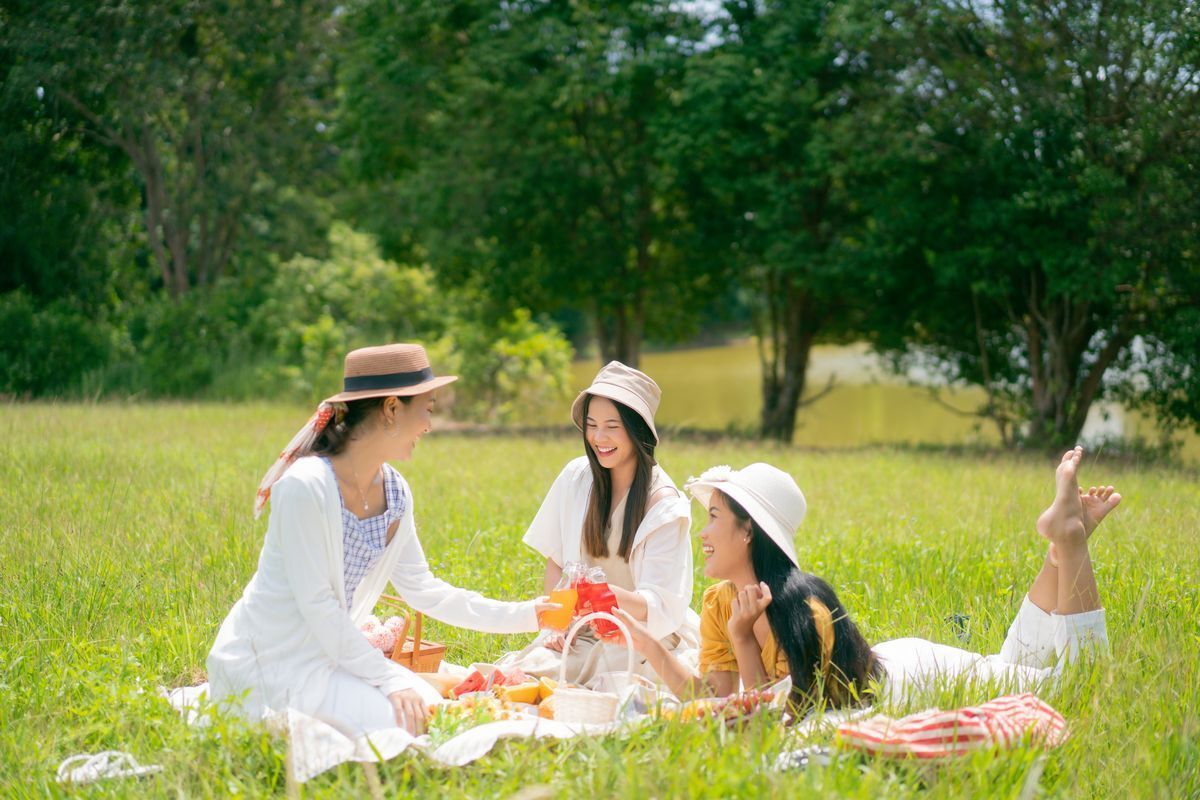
x=564 y=594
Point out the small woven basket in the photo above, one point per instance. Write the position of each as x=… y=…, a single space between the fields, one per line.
x=410 y=651
x=584 y=705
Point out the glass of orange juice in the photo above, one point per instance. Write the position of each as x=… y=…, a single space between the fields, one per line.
x=560 y=619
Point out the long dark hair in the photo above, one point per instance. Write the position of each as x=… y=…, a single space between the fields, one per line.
x=852 y=665
x=333 y=439
x=596 y=519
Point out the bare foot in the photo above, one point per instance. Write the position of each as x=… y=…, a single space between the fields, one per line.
x=1097 y=502
x=1063 y=520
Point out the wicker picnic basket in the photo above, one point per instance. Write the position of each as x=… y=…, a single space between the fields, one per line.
x=411 y=651
x=584 y=705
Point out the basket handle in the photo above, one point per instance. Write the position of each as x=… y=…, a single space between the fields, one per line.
x=579 y=624
x=393 y=600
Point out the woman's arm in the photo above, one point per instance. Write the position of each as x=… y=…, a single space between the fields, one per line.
x=633 y=602
x=451 y=604
x=682 y=682
x=747 y=607
x=553 y=574
x=662 y=570
x=654 y=588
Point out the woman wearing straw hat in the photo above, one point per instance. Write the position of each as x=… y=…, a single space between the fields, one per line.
x=614 y=507
x=768 y=619
x=341 y=527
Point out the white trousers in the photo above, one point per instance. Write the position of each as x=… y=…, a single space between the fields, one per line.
x=1038 y=645
x=355 y=707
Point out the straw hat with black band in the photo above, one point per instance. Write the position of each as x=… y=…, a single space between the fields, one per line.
x=390 y=370
x=625 y=385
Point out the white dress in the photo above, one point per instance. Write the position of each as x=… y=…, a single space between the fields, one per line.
x=290 y=641
x=660 y=565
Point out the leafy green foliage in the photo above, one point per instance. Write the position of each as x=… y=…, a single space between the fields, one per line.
x=1048 y=220
x=531 y=161
x=1000 y=194
x=46 y=350
x=765 y=123
x=319 y=309
x=212 y=109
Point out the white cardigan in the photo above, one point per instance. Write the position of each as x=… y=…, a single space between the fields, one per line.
x=660 y=560
x=291 y=630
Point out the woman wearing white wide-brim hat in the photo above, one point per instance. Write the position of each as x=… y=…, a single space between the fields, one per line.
x=341 y=527
x=614 y=507
x=767 y=619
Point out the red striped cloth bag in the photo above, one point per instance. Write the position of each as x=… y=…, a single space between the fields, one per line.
x=934 y=734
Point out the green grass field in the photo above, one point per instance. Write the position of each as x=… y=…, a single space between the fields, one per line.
x=128 y=535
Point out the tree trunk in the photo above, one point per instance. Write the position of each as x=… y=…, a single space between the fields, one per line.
x=165 y=224
x=1063 y=387
x=619 y=334
x=793 y=330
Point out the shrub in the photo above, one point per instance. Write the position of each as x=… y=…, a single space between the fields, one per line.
x=47 y=350
x=511 y=370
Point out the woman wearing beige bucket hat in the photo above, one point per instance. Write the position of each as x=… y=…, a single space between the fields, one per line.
x=767 y=618
x=341 y=527
x=614 y=507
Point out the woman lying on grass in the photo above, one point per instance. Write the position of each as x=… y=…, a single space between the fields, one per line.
x=341 y=527
x=784 y=621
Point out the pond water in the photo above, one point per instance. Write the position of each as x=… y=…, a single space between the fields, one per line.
x=719 y=388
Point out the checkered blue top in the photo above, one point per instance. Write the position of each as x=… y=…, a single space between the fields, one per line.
x=364 y=540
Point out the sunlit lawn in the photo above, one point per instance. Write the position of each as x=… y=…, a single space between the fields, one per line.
x=128 y=535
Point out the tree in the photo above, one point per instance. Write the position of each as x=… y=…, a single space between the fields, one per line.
x=769 y=118
x=214 y=106
x=531 y=158
x=1050 y=224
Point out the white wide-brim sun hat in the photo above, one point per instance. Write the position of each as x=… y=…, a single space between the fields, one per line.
x=770 y=496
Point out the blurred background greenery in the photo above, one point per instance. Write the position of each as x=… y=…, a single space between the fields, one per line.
x=936 y=221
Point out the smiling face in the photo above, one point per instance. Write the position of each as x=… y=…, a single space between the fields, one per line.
x=725 y=541
x=405 y=423
x=606 y=434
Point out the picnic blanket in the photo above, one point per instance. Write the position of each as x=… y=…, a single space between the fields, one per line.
x=315 y=746
x=936 y=734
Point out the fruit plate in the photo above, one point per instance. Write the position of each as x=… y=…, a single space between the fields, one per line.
x=734 y=710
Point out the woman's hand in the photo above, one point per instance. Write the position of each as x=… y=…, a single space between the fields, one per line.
x=410 y=709
x=643 y=640
x=748 y=605
x=555 y=640
x=542 y=604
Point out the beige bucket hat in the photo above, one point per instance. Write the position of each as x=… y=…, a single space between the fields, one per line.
x=625 y=385
x=388 y=370
x=768 y=494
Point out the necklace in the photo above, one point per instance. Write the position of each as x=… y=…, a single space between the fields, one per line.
x=358 y=485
